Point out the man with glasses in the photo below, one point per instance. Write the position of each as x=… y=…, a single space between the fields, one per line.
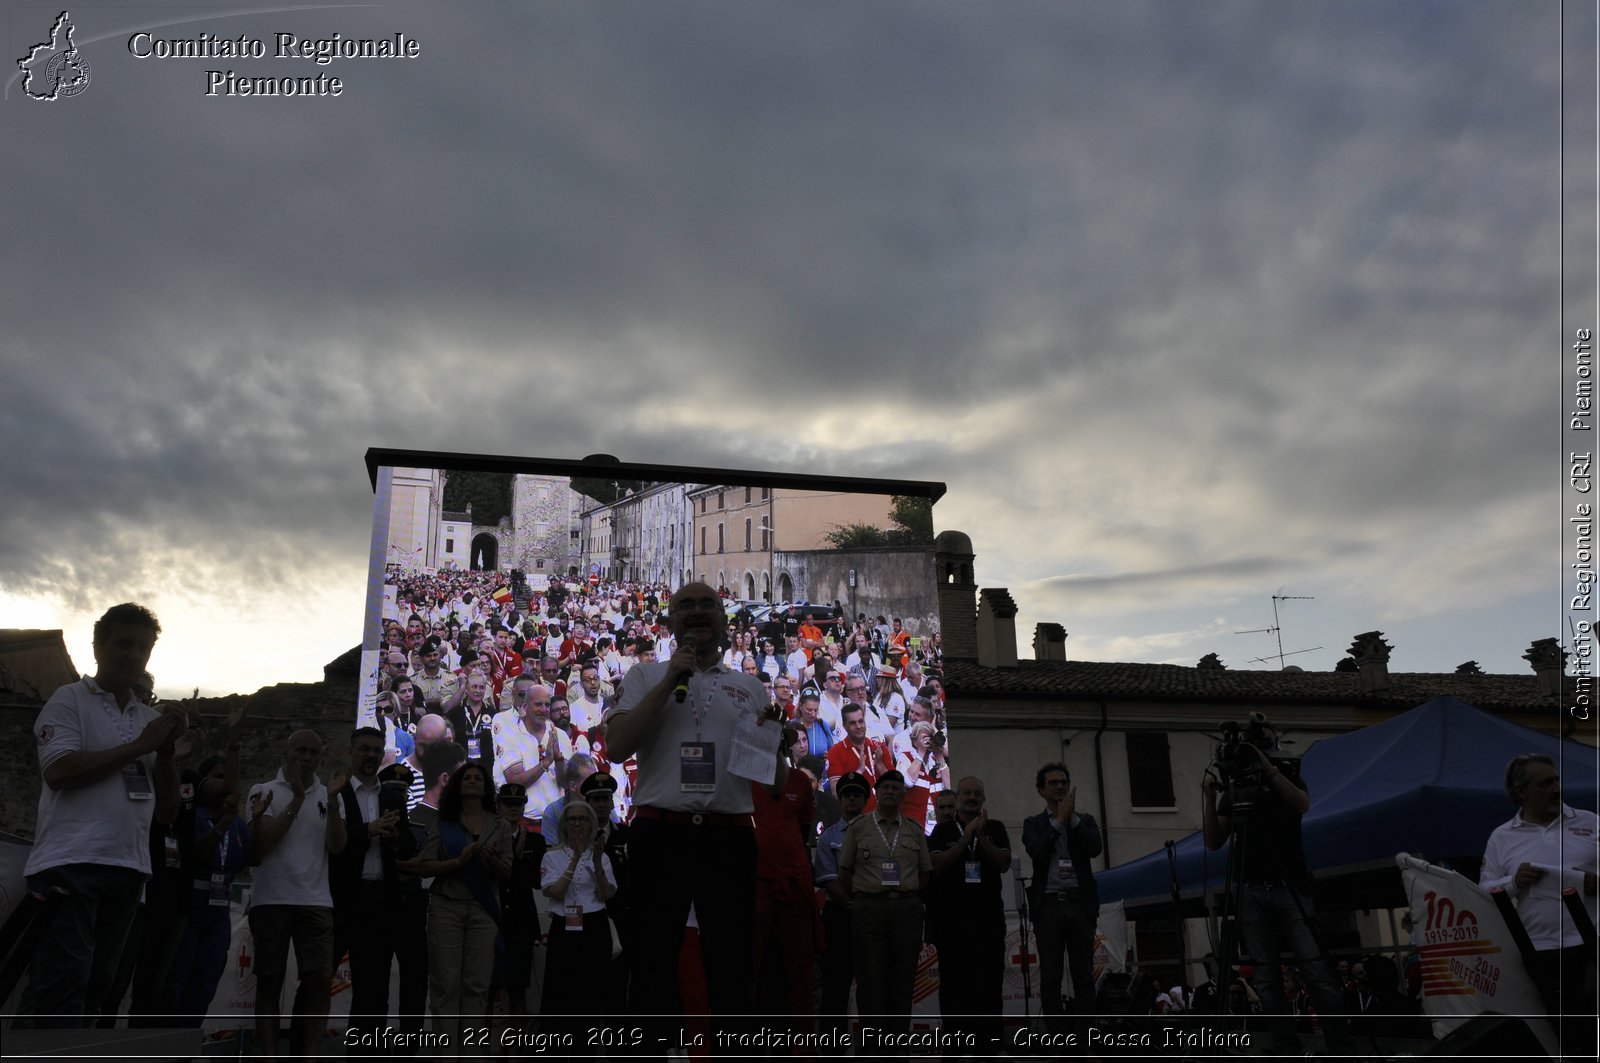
x=1061 y=842
x=783 y=695
x=396 y=666
x=591 y=702
x=1544 y=848
x=856 y=693
x=693 y=837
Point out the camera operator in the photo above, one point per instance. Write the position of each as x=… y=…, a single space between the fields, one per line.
x=1261 y=809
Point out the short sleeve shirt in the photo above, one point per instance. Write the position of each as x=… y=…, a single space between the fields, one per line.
x=584 y=890
x=716 y=701
x=296 y=872
x=97 y=823
x=514 y=743
x=870 y=841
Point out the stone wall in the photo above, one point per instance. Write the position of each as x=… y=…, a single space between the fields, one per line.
x=889 y=580
x=544 y=512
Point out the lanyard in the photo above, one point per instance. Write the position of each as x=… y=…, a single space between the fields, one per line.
x=702 y=701
x=121 y=719
x=893 y=845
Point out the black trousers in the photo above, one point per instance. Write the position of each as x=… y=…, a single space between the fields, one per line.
x=712 y=867
x=1561 y=976
x=838 y=968
x=972 y=960
x=387 y=926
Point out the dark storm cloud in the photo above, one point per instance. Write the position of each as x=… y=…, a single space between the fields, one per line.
x=1305 y=247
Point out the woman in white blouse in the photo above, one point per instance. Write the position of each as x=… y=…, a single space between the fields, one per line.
x=578 y=878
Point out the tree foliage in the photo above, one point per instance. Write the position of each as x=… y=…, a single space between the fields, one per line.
x=913 y=518
x=489 y=494
x=857 y=536
x=911 y=521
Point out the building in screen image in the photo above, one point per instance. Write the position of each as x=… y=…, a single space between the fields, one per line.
x=477 y=556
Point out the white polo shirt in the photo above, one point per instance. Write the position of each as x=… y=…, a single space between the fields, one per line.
x=718 y=698
x=98 y=823
x=513 y=743
x=296 y=872
x=1566 y=847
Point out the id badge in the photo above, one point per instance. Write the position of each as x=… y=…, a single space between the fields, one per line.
x=697 y=767
x=574 y=917
x=974 y=873
x=218 y=897
x=136 y=781
x=474 y=749
x=890 y=873
x=170 y=845
x=1069 y=875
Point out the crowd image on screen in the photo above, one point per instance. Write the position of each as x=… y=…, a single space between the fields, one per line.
x=522 y=676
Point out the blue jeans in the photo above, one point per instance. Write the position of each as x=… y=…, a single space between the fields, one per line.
x=202 y=956
x=1270 y=922
x=76 y=962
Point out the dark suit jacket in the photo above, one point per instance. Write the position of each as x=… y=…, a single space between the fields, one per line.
x=344 y=867
x=1083 y=845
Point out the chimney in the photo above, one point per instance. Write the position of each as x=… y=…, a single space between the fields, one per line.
x=1548 y=660
x=1371 y=655
x=997 y=629
x=1049 y=642
x=958 y=618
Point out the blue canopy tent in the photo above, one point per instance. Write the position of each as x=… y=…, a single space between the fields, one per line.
x=1428 y=781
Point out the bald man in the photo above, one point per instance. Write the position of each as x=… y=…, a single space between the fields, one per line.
x=293 y=828
x=431 y=730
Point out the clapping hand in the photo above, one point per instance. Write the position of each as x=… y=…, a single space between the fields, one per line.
x=383 y=826
x=161 y=733
x=1068 y=806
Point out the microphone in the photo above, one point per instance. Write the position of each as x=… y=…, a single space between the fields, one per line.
x=681 y=691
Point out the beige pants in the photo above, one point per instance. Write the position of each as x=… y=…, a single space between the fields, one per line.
x=460 y=966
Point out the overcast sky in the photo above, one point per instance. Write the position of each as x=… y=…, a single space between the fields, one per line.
x=1188 y=303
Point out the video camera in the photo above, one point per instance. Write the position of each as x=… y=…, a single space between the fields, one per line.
x=1238 y=770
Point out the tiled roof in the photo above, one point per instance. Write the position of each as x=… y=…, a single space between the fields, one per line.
x=1078 y=680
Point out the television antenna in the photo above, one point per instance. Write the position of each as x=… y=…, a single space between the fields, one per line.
x=1277 y=629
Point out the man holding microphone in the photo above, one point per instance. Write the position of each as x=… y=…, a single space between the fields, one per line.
x=693 y=837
